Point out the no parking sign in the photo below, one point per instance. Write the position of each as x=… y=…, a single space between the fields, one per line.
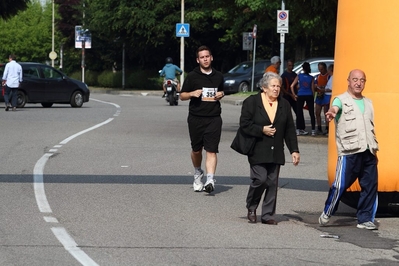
x=282 y=21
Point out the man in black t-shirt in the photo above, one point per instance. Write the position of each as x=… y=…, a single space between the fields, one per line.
x=288 y=77
x=204 y=88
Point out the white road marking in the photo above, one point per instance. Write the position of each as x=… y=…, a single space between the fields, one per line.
x=70 y=245
x=50 y=219
x=38 y=185
x=65 y=141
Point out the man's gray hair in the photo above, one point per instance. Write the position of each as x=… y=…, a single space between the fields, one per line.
x=275 y=59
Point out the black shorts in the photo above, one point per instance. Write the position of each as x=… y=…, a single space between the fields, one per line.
x=205 y=132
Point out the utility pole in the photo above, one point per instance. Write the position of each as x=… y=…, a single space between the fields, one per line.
x=182 y=45
x=282 y=41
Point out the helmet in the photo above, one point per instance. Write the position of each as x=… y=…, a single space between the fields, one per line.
x=169 y=60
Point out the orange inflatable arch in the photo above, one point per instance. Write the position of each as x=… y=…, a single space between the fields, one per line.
x=367 y=39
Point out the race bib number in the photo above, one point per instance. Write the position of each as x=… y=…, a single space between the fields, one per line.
x=208 y=94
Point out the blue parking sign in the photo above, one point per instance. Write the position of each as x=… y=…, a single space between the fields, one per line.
x=182 y=30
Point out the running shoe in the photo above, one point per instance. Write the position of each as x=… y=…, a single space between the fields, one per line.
x=198 y=185
x=367 y=225
x=209 y=185
x=324 y=219
x=303 y=132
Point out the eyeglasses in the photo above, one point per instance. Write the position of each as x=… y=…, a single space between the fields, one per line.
x=362 y=80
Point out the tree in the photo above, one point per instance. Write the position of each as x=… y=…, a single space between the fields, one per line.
x=28 y=35
x=147 y=30
x=9 y=8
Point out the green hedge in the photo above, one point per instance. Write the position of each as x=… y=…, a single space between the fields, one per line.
x=138 y=80
x=144 y=80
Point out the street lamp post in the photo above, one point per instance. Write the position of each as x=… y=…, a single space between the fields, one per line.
x=53 y=54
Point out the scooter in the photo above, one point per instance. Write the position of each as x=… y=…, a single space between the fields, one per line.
x=172 y=97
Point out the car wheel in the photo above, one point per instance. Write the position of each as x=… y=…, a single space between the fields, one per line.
x=47 y=105
x=21 y=99
x=77 y=99
x=243 y=87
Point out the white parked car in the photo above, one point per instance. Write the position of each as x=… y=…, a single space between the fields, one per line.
x=314 y=62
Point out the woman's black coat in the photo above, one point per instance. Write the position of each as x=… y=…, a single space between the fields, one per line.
x=268 y=149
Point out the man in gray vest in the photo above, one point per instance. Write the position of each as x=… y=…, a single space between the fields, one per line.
x=357 y=147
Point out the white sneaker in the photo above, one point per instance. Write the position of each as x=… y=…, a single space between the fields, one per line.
x=198 y=185
x=302 y=132
x=209 y=185
x=324 y=219
x=367 y=225
x=313 y=132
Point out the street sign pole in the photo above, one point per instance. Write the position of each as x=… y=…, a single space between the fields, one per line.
x=83 y=58
x=253 y=57
x=282 y=29
x=182 y=45
x=282 y=41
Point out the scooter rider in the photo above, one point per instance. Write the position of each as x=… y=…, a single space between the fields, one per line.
x=169 y=72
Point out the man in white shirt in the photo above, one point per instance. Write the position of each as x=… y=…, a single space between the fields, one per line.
x=12 y=77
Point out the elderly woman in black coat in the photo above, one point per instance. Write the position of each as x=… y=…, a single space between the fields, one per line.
x=267 y=116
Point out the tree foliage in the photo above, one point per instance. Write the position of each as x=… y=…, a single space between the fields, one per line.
x=147 y=30
x=9 y=8
x=28 y=35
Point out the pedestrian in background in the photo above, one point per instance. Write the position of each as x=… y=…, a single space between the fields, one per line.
x=304 y=95
x=357 y=151
x=204 y=88
x=267 y=117
x=287 y=78
x=320 y=84
x=12 y=77
x=275 y=65
x=328 y=92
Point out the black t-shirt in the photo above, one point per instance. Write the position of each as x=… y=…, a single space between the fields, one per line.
x=210 y=84
x=288 y=78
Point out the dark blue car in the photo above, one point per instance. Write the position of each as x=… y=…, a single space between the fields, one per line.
x=239 y=78
x=46 y=85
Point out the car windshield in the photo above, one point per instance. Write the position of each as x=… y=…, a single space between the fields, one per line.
x=241 y=69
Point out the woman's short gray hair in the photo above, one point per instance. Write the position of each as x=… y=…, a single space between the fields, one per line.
x=264 y=82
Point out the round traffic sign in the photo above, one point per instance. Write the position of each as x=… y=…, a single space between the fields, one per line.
x=52 y=55
x=282 y=15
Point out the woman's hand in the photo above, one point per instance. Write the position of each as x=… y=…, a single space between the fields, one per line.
x=269 y=130
x=295 y=158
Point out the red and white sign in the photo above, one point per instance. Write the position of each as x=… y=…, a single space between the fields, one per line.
x=254 y=31
x=282 y=21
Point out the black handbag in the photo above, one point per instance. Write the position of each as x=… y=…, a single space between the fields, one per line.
x=243 y=143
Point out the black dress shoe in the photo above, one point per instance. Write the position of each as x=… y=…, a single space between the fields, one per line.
x=271 y=221
x=251 y=216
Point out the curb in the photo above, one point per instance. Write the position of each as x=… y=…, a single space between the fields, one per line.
x=230 y=99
